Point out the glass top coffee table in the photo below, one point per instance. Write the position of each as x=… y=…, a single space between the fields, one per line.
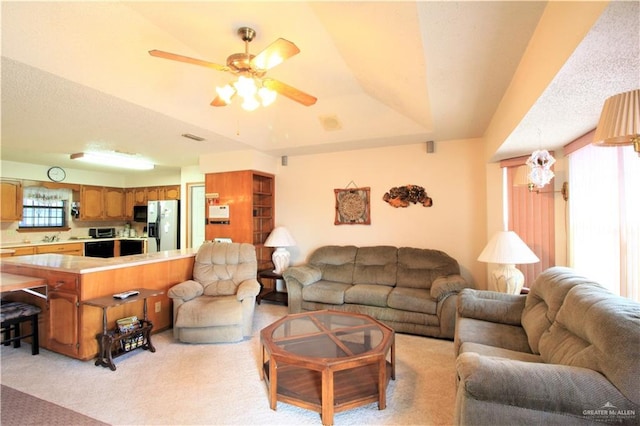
x=327 y=361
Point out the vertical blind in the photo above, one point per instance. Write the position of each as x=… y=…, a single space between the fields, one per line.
x=531 y=216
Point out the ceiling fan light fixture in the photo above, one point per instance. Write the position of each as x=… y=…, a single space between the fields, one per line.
x=226 y=93
x=246 y=87
x=250 y=103
x=268 y=96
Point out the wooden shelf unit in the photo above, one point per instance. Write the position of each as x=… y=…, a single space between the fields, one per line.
x=250 y=196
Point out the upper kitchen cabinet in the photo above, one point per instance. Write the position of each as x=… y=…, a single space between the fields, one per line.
x=128 y=203
x=171 y=192
x=11 y=201
x=114 y=203
x=139 y=196
x=101 y=203
x=160 y=193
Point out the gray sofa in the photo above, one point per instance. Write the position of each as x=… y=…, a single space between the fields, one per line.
x=566 y=353
x=410 y=289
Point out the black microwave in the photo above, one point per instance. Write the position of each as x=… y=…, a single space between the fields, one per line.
x=140 y=214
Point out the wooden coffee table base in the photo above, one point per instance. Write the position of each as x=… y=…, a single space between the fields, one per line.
x=351 y=388
x=328 y=385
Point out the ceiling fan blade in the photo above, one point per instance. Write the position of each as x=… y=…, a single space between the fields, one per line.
x=289 y=91
x=180 y=58
x=218 y=102
x=274 y=54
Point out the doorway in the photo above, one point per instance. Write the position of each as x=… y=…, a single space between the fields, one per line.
x=195 y=214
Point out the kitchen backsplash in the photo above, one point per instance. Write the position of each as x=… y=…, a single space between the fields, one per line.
x=9 y=233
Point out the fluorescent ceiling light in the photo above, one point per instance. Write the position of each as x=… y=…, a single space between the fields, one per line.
x=114 y=159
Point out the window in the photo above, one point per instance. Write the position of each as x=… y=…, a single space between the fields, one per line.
x=39 y=214
x=604 y=217
x=44 y=208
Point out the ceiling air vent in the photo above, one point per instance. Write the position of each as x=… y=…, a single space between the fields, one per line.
x=330 y=122
x=194 y=137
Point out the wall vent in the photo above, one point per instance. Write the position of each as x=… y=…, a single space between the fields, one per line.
x=194 y=137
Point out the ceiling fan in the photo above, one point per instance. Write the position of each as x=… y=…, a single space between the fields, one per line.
x=251 y=71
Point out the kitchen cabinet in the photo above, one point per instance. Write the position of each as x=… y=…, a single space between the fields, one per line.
x=113 y=203
x=91 y=202
x=140 y=196
x=171 y=192
x=72 y=249
x=153 y=193
x=23 y=251
x=63 y=306
x=250 y=196
x=128 y=204
x=11 y=200
x=101 y=203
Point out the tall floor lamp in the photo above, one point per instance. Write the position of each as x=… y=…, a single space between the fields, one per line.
x=507 y=250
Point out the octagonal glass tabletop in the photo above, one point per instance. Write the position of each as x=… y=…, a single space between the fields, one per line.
x=328 y=334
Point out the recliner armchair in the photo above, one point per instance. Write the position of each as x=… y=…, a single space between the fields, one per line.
x=217 y=305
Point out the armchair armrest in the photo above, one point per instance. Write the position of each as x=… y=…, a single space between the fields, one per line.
x=444 y=286
x=248 y=288
x=491 y=306
x=304 y=274
x=574 y=391
x=186 y=290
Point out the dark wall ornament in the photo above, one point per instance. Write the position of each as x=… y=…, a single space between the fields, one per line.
x=352 y=206
x=402 y=196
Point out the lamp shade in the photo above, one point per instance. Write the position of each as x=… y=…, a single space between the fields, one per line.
x=506 y=247
x=620 y=120
x=280 y=237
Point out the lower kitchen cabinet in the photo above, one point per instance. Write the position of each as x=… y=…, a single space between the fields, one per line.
x=63 y=310
x=62 y=335
x=73 y=249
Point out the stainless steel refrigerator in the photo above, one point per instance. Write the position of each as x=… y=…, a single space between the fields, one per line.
x=163 y=225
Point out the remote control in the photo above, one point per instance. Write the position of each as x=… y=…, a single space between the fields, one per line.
x=126 y=294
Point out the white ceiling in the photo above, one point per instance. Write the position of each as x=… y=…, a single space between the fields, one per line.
x=77 y=76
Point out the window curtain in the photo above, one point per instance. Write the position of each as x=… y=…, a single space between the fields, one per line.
x=39 y=196
x=604 y=217
x=531 y=216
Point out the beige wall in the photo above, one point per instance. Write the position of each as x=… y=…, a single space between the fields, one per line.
x=453 y=176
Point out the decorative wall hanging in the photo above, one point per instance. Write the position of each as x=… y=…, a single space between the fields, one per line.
x=540 y=164
x=352 y=206
x=402 y=196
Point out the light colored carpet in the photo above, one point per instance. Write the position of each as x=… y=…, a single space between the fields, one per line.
x=219 y=384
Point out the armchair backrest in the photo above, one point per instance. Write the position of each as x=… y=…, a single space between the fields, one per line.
x=546 y=296
x=335 y=262
x=221 y=267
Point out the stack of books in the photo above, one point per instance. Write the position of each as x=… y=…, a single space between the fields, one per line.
x=127 y=324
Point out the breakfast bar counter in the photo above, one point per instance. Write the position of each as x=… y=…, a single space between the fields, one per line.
x=85 y=265
x=68 y=326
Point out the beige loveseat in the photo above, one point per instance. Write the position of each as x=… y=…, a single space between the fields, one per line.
x=567 y=353
x=410 y=289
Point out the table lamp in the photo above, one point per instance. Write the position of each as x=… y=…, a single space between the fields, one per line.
x=280 y=238
x=507 y=249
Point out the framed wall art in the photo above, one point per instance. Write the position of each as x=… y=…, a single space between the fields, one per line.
x=353 y=206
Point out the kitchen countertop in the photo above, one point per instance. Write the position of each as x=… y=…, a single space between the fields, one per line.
x=86 y=265
x=69 y=241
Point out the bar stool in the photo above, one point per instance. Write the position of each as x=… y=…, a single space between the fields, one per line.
x=12 y=315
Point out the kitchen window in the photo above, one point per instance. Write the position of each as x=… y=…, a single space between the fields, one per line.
x=44 y=208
